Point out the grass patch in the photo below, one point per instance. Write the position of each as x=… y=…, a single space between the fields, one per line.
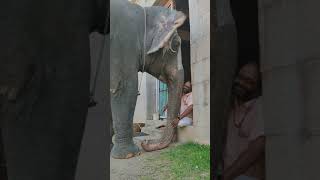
x=186 y=161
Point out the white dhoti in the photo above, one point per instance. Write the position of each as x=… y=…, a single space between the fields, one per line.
x=186 y=121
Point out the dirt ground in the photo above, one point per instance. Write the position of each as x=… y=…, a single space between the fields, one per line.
x=138 y=168
x=148 y=165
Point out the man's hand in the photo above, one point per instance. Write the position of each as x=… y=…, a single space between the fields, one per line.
x=165 y=108
x=175 y=122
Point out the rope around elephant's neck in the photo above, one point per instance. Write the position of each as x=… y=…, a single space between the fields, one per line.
x=144 y=48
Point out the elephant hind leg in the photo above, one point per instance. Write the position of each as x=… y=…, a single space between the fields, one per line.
x=123 y=102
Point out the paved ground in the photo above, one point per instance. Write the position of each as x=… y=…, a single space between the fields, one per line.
x=137 y=168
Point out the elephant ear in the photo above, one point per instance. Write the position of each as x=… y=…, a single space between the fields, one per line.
x=164 y=24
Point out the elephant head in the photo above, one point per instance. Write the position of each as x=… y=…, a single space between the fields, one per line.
x=163 y=62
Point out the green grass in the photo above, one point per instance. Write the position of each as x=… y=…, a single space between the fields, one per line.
x=186 y=161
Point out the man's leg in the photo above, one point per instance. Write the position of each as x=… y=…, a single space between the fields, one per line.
x=186 y=121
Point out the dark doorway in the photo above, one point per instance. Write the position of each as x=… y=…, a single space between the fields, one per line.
x=184 y=33
x=245 y=14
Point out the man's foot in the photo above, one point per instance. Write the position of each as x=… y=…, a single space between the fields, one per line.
x=125 y=151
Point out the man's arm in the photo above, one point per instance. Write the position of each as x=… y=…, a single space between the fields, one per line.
x=186 y=112
x=255 y=150
x=165 y=108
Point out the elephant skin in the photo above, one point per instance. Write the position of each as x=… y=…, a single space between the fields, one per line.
x=129 y=54
x=44 y=83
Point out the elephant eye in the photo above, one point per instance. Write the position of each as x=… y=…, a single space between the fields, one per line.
x=175 y=44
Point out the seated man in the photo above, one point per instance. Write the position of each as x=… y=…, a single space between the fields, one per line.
x=245 y=143
x=186 y=109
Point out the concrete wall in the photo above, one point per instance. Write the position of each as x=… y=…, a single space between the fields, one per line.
x=199 y=11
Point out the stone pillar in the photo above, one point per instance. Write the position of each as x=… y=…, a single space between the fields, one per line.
x=199 y=12
x=308 y=48
x=151 y=83
x=289 y=38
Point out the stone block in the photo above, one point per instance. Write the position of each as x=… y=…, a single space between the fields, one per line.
x=200 y=71
x=196 y=114
x=186 y=134
x=202 y=135
x=203 y=116
x=201 y=93
x=199 y=24
x=196 y=134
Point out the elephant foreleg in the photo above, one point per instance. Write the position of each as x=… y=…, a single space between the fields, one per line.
x=123 y=101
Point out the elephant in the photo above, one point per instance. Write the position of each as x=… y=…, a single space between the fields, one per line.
x=44 y=83
x=145 y=40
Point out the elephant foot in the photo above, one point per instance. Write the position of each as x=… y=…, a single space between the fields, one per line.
x=125 y=151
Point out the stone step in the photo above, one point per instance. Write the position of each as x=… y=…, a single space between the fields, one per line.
x=186 y=134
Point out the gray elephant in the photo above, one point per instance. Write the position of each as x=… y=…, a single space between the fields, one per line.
x=142 y=39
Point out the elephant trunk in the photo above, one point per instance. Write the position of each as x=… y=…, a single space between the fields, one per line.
x=174 y=102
